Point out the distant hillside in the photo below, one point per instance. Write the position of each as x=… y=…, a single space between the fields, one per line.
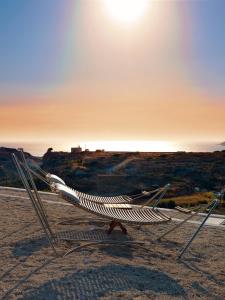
x=8 y=173
x=115 y=173
x=126 y=173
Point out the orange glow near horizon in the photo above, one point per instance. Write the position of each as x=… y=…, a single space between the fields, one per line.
x=176 y=114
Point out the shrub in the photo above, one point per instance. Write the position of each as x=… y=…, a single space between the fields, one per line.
x=163 y=205
x=116 y=155
x=202 y=202
x=171 y=204
x=184 y=204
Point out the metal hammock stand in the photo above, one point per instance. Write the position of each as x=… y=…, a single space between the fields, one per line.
x=134 y=214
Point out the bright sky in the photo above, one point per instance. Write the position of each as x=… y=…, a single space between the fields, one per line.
x=89 y=70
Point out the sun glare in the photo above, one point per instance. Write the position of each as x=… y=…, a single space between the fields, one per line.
x=126 y=11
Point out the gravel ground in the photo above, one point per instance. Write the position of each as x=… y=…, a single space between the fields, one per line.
x=30 y=270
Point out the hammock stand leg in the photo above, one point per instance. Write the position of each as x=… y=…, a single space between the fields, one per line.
x=177 y=226
x=216 y=201
x=36 y=205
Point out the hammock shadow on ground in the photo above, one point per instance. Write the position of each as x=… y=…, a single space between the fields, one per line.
x=27 y=247
x=94 y=283
x=125 y=251
x=118 y=250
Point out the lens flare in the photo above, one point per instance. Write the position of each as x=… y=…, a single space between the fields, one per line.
x=126 y=11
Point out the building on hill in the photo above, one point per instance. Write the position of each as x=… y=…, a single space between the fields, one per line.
x=76 y=149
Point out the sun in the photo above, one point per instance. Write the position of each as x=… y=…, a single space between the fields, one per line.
x=126 y=11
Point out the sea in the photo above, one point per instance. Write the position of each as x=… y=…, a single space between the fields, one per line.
x=39 y=149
